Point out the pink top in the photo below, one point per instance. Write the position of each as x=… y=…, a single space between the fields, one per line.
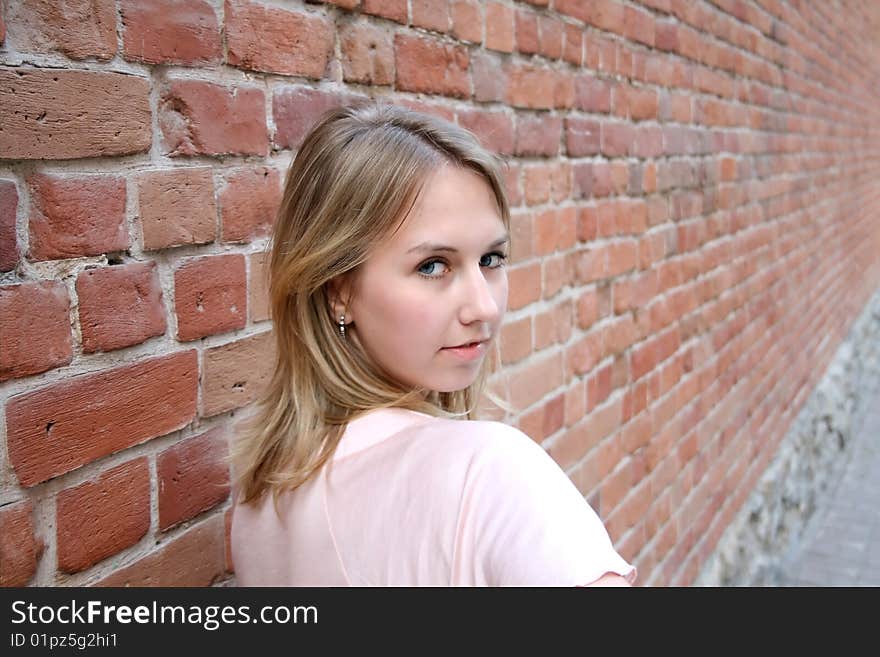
x=413 y=500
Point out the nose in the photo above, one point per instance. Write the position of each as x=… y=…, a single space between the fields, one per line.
x=479 y=302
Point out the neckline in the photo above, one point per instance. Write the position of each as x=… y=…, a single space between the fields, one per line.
x=375 y=426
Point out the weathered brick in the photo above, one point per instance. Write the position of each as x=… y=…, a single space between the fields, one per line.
x=467 y=20
x=200 y=118
x=275 y=40
x=8 y=212
x=526 y=31
x=249 y=203
x=500 y=27
x=494 y=129
x=430 y=14
x=234 y=374
x=573 y=49
x=581 y=136
x=176 y=207
x=99 y=518
x=532 y=87
x=59 y=115
x=258 y=288
x=20 y=548
x=296 y=109
x=592 y=94
x=550 y=36
x=60 y=427
x=76 y=216
x=489 y=76
x=119 y=306
x=193 y=476
x=395 y=10
x=617 y=139
x=170 y=32
x=516 y=340
x=367 y=53
x=524 y=285
x=195 y=558
x=35 y=334
x=210 y=296
x=77 y=28
x=428 y=65
x=538 y=135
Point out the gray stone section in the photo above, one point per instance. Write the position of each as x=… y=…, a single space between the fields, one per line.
x=771 y=537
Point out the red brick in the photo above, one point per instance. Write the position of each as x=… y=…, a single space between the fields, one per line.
x=581 y=136
x=617 y=139
x=79 y=29
x=249 y=203
x=296 y=109
x=546 y=232
x=430 y=14
x=392 y=9
x=176 y=207
x=234 y=374
x=490 y=76
x=258 y=288
x=170 y=32
x=493 y=129
x=526 y=31
x=119 y=306
x=274 y=40
x=516 y=340
x=554 y=414
x=586 y=224
x=524 y=284
x=535 y=380
x=200 y=118
x=573 y=51
x=98 y=519
x=638 y=25
x=575 y=8
x=193 y=477
x=8 y=212
x=467 y=20
x=35 y=324
x=428 y=65
x=59 y=115
x=550 y=36
x=500 y=30
x=20 y=548
x=76 y=216
x=538 y=135
x=210 y=296
x=58 y=428
x=193 y=558
x=592 y=94
x=582 y=356
x=367 y=54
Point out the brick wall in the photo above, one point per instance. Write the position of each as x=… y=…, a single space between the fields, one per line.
x=695 y=218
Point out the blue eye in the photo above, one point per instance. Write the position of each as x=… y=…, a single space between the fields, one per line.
x=501 y=259
x=430 y=264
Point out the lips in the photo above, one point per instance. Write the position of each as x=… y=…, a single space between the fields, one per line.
x=467 y=344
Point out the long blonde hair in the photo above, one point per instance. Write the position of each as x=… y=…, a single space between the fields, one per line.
x=353 y=181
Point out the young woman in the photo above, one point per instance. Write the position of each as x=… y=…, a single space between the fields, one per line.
x=365 y=464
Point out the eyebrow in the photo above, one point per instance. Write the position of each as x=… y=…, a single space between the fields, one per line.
x=432 y=247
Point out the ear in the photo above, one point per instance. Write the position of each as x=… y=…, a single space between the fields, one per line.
x=339 y=293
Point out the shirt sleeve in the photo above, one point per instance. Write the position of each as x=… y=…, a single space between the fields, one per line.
x=524 y=523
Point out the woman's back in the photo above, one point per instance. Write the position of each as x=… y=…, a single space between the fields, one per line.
x=412 y=500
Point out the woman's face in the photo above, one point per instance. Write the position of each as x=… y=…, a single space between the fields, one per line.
x=437 y=283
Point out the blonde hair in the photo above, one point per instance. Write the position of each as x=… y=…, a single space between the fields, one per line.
x=353 y=181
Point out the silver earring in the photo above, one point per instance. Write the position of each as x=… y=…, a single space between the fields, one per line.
x=342 y=325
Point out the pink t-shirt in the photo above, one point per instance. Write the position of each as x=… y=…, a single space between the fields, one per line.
x=413 y=500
